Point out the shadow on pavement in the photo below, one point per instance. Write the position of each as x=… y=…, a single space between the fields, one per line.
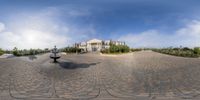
x=33 y=57
x=72 y=65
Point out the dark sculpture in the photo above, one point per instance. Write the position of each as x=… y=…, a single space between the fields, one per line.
x=55 y=56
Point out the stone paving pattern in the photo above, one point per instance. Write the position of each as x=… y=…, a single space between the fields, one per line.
x=144 y=75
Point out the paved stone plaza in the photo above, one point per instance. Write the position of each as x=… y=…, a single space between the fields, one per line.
x=141 y=75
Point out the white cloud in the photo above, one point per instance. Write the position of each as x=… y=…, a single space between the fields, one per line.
x=29 y=38
x=191 y=29
x=42 y=29
x=2 y=27
x=36 y=30
x=149 y=38
x=187 y=36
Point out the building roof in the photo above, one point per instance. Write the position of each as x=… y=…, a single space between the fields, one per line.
x=83 y=43
x=94 y=41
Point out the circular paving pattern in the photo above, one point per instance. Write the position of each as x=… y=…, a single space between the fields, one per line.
x=140 y=75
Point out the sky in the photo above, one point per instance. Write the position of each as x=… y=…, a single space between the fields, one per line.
x=29 y=24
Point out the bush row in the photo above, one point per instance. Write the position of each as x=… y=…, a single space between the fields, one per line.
x=26 y=52
x=183 y=52
x=136 y=49
x=71 y=50
x=116 y=49
x=1 y=52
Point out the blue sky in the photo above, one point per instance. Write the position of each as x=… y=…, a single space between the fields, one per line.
x=140 y=23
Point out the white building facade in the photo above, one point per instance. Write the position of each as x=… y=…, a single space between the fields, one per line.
x=96 y=45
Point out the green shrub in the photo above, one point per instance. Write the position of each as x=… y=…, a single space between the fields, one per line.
x=25 y=52
x=133 y=50
x=116 y=49
x=15 y=51
x=183 y=52
x=197 y=50
x=1 y=51
x=113 y=49
x=105 y=51
x=71 y=50
x=124 y=48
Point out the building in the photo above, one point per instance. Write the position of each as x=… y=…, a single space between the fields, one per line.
x=96 y=45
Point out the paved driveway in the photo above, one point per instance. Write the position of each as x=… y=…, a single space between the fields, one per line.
x=135 y=76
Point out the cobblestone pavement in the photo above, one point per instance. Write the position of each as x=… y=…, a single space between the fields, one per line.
x=141 y=75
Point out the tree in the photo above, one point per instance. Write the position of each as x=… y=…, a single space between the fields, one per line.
x=15 y=51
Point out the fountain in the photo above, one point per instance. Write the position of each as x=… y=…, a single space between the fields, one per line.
x=54 y=54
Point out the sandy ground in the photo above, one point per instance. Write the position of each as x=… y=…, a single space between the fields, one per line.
x=141 y=75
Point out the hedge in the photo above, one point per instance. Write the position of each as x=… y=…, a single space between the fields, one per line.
x=116 y=49
x=26 y=52
x=183 y=52
x=1 y=51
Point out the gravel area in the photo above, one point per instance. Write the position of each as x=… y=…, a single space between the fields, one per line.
x=143 y=75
